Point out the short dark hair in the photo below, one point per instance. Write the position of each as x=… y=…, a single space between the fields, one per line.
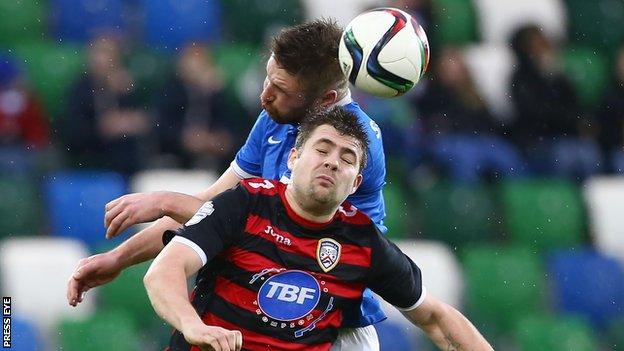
x=345 y=122
x=310 y=51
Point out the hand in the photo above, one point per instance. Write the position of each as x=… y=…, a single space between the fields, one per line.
x=209 y=338
x=92 y=271
x=131 y=209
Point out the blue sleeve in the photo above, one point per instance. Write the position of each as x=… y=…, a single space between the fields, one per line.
x=249 y=157
x=369 y=197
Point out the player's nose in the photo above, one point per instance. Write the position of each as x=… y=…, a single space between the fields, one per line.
x=266 y=96
x=331 y=164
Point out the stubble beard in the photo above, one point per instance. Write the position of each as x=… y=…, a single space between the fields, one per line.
x=295 y=116
x=315 y=200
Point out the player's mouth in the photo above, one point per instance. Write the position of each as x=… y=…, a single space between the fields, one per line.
x=326 y=178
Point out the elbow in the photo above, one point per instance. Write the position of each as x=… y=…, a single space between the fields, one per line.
x=150 y=280
x=436 y=311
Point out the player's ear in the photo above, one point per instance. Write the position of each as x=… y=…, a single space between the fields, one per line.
x=329 y=98
x=356 y=183
x=292 y=157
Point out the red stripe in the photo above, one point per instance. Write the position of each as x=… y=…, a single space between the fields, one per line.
x=261 y=186
x=350 y=254
x=235 y=294
x=351 y=215
x=245 y=298
x=255 y=341
x=254 y=262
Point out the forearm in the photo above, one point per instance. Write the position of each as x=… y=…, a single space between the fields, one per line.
x=174 y=209
x=450 y=330
x=144 y=245
x=167 y=291
x=180 y=207
x=455 y=332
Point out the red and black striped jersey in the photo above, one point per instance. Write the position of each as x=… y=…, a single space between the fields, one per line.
x=285 y=282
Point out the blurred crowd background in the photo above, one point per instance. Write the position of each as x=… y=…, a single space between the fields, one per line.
x=505 y=162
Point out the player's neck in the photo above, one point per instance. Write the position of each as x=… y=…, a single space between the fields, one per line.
x=316 y=214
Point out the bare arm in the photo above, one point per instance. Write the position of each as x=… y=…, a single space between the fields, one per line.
x=166 y=286
x=131 y=209
x=447 y=327
x=147 y=243
x=135 y=208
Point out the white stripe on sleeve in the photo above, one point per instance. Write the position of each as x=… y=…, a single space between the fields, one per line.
x=192 y=245
x=418 y=303
x=240 y=172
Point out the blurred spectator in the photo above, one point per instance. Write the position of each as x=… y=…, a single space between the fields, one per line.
x=22 y=121
x=463 y=136
x=195 y=122
x=549 y=126
x=611 y=117
x=106 y=124
x=23 y=125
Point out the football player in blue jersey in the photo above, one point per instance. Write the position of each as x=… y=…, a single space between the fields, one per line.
x=303 y=75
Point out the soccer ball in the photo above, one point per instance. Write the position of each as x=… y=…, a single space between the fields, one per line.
x=384 y=52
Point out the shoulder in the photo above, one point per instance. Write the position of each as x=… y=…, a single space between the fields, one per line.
x=370 y=126
x=350 y=214
x=375 y=168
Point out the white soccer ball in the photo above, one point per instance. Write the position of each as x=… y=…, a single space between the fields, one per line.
x=384 y=52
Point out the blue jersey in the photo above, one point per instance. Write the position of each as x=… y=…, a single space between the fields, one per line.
x=265 y=154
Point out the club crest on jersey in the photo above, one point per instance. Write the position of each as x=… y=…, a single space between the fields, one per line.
x=328 y=254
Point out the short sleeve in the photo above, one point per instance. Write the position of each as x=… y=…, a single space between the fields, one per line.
x=216 y=225
x=248 y=161
x=394 y=276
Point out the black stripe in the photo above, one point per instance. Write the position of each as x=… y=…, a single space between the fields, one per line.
x=344 y=272
x=272 y=209
x=356 y=52
x=242 y=277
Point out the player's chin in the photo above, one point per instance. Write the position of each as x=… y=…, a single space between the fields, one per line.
x=324 y=194
x=275 y=116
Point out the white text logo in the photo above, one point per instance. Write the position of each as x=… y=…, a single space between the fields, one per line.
x=290 y=293
x=278 y=237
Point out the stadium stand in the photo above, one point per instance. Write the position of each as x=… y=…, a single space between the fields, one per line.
x=47 y=263
x=542 y=258
x=75 y=202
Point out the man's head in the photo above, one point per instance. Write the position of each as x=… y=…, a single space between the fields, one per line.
x=328 y=158
x=303 y=73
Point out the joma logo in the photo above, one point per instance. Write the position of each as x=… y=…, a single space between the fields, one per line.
x=280 y=239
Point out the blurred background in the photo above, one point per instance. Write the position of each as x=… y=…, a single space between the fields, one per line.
x=505 y=162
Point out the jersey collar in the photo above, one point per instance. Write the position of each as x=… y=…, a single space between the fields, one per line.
x=345 y=100
x=297 y=218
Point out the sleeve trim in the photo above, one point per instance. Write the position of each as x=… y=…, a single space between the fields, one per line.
x=240 y=173
x=192 y=245
x=418 y=303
